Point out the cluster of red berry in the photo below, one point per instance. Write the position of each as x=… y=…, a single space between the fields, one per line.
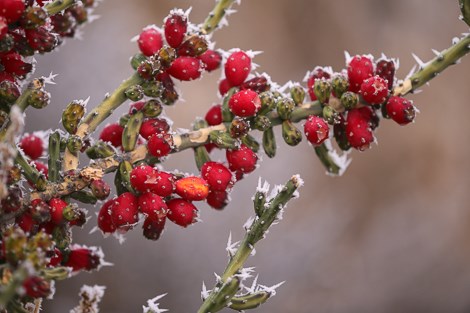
x=27 y=28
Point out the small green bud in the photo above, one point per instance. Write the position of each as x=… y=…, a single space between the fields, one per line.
x=285 y=107
x=329 y=114
x=74 y=144
x=262 y=122
x=38 y=99
x=322 y=90
x=251 y=142
x=84 y=197
x=134 y=93
x=349 y=100
x=122 y=179
x=152 y=108
x=259 y=200
x=56 y=273
x=340 y=85
x=152 y=88
x=269 y=142
x=268 y=102
x=166 y=55
x=137 y=59
x=100 y=150
x=292 y=136
x=169 y=96
x=239 y=127
x=298 y=94
x=123 y=120
x=72 y=116
x=339 y=131
x=223 y=140
x=9 y=92
x=131 y=131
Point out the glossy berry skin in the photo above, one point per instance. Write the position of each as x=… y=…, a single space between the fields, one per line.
x=242 y=160
x=359 y=69
x=124 y=211
x=181 y=212
x=401 y=110
x=217 y=199
x=257 y=84
x=211 y=59
x=105 y=223
x=316 y=130
x=358 y=128
x=57 y=207
x=237 y=68
x=152 y=205
x=112 y=133
x=217 y=176
x=386 y=69
x=192 y=188
x=317 y=73
x=245 y=103
x=12 y=9
x=176 y=25
x=32 y=146
x=214 y=115
x=83 y=259
x=139 y=177
x=158 y=146
x=153 y=228
x=150 y=41
x=374 y=90
x=186 y=68
x=153 y=126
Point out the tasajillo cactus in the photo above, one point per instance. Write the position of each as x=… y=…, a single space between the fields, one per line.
x=40 y=203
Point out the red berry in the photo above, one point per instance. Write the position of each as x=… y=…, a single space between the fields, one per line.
x=244 y=103
x=3 y=27
x=12 y=9
x=154 y=126
x=317 y=73
x=57 y=206
x=359 y=69
x=181 y=212
x=386 y=69
x=40 y=210
x=105 y=223
x=153 y=228
x=217 y=176
x=358 y=128
x=6 y=76
x=214 y=115
x=257 y=84
x=41 y=167
x=41 y=39
x=36 y=287
x=150 y=40
x=124 y=212
x=152 y=206
x=176 y=25
x=112 y=133
x=224 y=86
x=163 y=184
x=100 y=189
x=159 y=145
x=401 y=110
x=14 y=64
x=217 y=199
x=192 y=188
x=136 y=107
x=242 y=160
x=139 y=177
x=186 y=68
x=316 y=130
x=374 y=90
x=32 y=146
x=237 y=68
x=26 y=222
x=83 y=259
x=211 y=60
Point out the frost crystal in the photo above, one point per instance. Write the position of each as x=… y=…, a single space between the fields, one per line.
x=153 y=306
x=231 y=247
x=90 y=298
x=341 y=160
x=262 y=187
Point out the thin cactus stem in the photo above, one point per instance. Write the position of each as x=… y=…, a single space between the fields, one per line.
x=30 y=172
x=57 y=6
x=98 y=115
x=434 y=67
x=54 y=161
x=256 y=232
x=324 y=155
x=215 y=16
x=465 y=9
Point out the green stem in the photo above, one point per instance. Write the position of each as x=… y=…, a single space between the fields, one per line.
x=109 y=104
x=54 y=162
x=465 y=9
x=31 y=173
x=58 y=5
x=256 y=232
x=324 y=155
x=445 y=59
x=216 y=15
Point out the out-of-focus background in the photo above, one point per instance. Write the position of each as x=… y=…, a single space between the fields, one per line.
x=391 y=235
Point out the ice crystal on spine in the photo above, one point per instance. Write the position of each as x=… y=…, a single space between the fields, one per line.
x=231 y=247
x=90 y=298
x=153 y=306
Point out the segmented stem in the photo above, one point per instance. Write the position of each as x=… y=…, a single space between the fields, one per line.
x=216 y=15
x=58 y=5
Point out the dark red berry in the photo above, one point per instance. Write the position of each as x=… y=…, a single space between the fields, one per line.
x=217 y=176
x=159 y=145
x=386 y=69
x=211 y=60
x=32 y=146
x=83 y=259
x=217 y=199
x=124 y=211
x=242 y=159
x=100 y=189
x=316 y=130
x=57 y=206
x=153 y=227
x=36 y=287
x=401 y=110
x=152 y=205
x=214 y=115
x=245 y=103
x=41 y=39
x=257 y=84
x=176 y=25
x=374 y=90
x=105 y=223
x=358 y=128
x=12 y=9
x=13 y=64
x=182 y=212
x=360 y=68
x=112 y=133
x=237 y=68
x=150 y=40
x=154 y=126
x=186 y=68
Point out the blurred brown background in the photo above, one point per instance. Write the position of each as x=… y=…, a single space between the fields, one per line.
x=391 y=235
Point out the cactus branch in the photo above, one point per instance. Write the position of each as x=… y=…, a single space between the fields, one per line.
x=216 y=15
x=57 y=6
x=54 y=157
x=445 y=59
x=465 y=9
x=256 y=232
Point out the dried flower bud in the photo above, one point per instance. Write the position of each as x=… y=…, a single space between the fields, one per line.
x=134 y=93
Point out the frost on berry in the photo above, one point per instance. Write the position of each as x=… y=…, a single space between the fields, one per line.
x=150 y=40
x=374 y=90
x=360 y=67
x=245 y=103
x=401 y=110
x=316 y=130
x=182 y=212
x=186 y=68
x=237 y=67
